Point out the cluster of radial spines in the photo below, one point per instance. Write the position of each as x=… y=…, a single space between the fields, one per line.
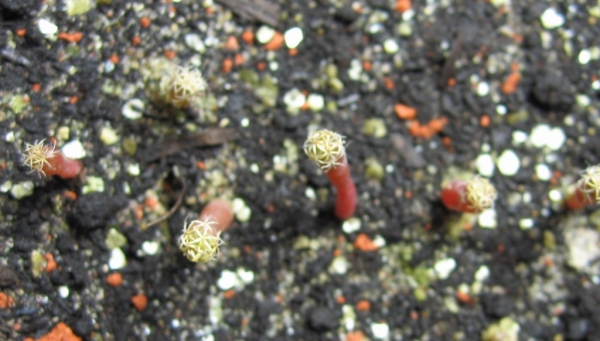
x=326 y=148
x=199 y=241
x=37 y=155
x=481 y=194
x=186 y=86
x=590 y=183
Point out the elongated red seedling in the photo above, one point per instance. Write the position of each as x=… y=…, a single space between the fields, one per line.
x=326 y=148
x=469 y=196
x=201 y=238
x=48 y=161
x=586 y=191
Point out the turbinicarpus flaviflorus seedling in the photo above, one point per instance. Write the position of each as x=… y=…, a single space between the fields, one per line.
x=46 y=160
x=326 y=148
x=586 y=191
x=186 y=87
x=469 y=196
x=201 y=238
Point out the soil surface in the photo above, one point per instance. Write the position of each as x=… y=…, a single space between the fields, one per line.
x=423 y=93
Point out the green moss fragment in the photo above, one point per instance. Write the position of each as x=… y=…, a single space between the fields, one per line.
x=249 y=77
x=114 y=239
x=420 y=294
x=18 y=103
x=375 y=127
x=373 y=169
x=130 y=146
x=37 y=263
x=77 y=7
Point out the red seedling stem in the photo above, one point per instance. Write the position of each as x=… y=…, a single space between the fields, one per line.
x=468 y=196
x=586 y=191
x=48 y=161
x=340 y=178
x=220 y=212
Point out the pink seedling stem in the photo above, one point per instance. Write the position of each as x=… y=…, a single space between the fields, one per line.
x=586 y=191
x=469 y=196
x=48 y=161
x=201 y=238
x=326 y=148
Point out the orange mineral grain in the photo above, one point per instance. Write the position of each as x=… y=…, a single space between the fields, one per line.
x=364 y=243
x=6 y=301
x=61 y=332
x=139 y=302
x=404 y=112
x=275 y=43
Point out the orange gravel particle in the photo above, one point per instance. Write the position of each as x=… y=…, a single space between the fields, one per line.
x=340 y=299
x=463 y=297
x=436 y=125
x=114 y=59
x=293 y=52
x=238 y=59
x=404 y=112
x=136 y=40
x=61 y=332
x=364 y=243
x=403 y=5
x=355 y=336
x=170 y=54
x=367 y=66
x=50 y=263
x=275 y=43
x=28 y=339
x=114 y=279
x=151 y=203
x=232 y=44
x=73 y=99
x=512 y=80
x=36 y=87
x=248 y=37
x=363 y=305
x=451 y=82
x=484 y=121
x=337 y=252
x=139 y=302
x=21 y=32
x=389 y=83
x=414 y=128
x=227 y=65
x=139 y=211
x=261 y=66
x=70 y=195
x=144 y=22
x=229 y=294
x=5 y=301
x=71 y=37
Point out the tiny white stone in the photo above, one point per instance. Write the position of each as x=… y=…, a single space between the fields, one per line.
x=117 y=259
x=596 y=84
x=63 y=291
x=22 y=189
x=339 y=265
x=245 y=122
x=351 y=225
x=10 y=136
x=482 y=273
x=244 y=214
x=526 y=223
x=483 y=89
x=380 y=331
x=355 y=69
x=583 y=100
x=485 y=165
x=551 y=18
x=584 y=56
x=508 y=163
x=150 y=247
x=543 y=172
x=519 y=137
x=379 y=241
x=246 y=276
x=316 y=102
x=175 y=323
x=501 y=110
x=556 y=138
x=73 y=150
x=194 y=42
x=227 y=280
x=46 y=27
x=487 y=219
x=109 y=136
x=133 y=109
x=254 y=168
x=293 y=37
x=540 y=135
x=583 y=247
x=294 y=99
x=555 y=195
x=390 y=46
x=310 y=193
x=134 y=169
x=264 y=34
x=444 y=267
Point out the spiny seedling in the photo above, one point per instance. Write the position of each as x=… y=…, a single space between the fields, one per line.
x=201 y=238
x=586 y=191
x=326 y=148
x=46 y=160
x=469 y=196
x=186 y=87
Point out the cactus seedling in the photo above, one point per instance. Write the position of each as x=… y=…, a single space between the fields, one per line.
x=326 y=148
x=47 y=160
x=201 y=238
x=469 y=196
x=186 y=86
x=586 y=191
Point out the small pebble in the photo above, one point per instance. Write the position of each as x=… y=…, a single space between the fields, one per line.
x=556 y=139
x=483 y=89
x=380 y=331
x=390 y=46
x=293 y=37
x=485 y=165
x=133 y=109
x=444 y=267
x=108 y=136
x=540 y=135
x=63 y=291
x=22 y=190
x=543 y=172
x=519 y=137
x=227 y=280
x=74 y=150
x=264 y=34
x=508 y=163
x=584 y=57
x=150 y=248
x=294 y=100
x=46 y=27
x=487 y=219
x=339 y=265
x=194 y=42
x=482 y=273
x=551 y=18
x=526 y=223
x=117 y=259
x=247 y=276
x=316 y=102
x=351 y=225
